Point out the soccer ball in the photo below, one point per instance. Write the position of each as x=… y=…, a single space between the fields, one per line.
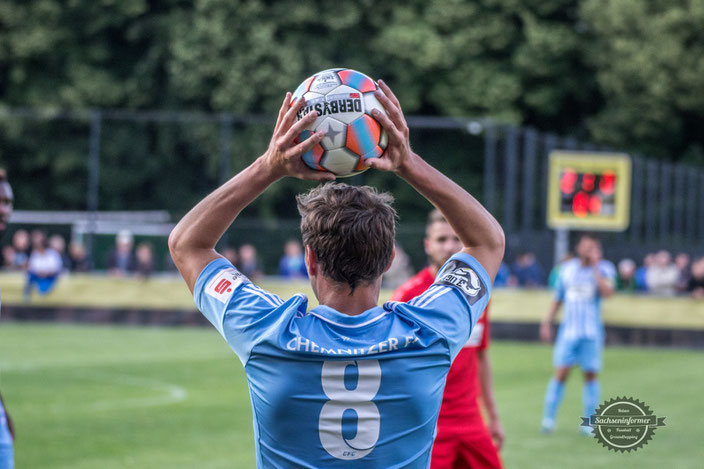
x=344 y=100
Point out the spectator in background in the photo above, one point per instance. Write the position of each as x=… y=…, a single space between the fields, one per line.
x=696 y=281
x=144 y=256
x=58 y=244
x=43 y=268
x=527 y=271
x=292 y=265
x=230 y=253
x=626 y=277
x=400 y=269
x=503 y=275
x=121 y=261
x=20 y=243
x=685 y=273
x=8 y=257
x=662 y=276
x=249 y=264
x=642 y=273
x=79 y=260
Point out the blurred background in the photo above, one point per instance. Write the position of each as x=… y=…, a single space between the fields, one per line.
x=116 y=117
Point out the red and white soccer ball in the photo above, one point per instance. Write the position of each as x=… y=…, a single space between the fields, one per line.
x=344 y=100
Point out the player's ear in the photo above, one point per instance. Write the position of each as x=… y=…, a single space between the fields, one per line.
x=391 y=261
x=311 y=262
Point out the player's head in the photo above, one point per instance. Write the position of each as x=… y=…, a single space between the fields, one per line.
x=440 y=242
x=588 y=245
x=350 y=231
x=6 y=202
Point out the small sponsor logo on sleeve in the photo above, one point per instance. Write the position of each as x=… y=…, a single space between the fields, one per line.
x=223 y=285
x=460 y=275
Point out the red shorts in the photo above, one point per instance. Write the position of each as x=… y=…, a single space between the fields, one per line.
x=464 y=449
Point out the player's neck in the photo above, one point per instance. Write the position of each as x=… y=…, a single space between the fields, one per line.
x=341 y=297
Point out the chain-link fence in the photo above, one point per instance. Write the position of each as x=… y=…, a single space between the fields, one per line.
x=105 y=160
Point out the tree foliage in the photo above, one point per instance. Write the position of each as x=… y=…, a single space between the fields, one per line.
x=624 y=73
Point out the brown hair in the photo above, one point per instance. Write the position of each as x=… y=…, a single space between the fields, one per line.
x=435 y=216
x=350 y=229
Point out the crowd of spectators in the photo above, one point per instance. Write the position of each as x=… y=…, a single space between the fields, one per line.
x=44 y=259
x=660 y=274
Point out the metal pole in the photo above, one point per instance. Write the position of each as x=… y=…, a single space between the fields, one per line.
x=490 y=167
x=637 y=185
x=226 y=122
x=562 y=244
x=665 y=204
x=93 y=180
x=530 y=150
x=511 y=161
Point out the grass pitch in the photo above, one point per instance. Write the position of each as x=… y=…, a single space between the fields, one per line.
x=87 y=397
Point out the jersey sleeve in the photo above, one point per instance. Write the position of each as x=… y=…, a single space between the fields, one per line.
x=560 y=285
x=454 y=302
x=242 y=312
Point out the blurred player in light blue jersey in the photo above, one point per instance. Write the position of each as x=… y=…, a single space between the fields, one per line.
x=581 y=285
x=348 y=383
x=7 y=457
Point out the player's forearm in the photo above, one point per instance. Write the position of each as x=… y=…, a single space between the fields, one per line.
x=603 y=285
x=487 y=386
x=552 y=312
x=474 y=225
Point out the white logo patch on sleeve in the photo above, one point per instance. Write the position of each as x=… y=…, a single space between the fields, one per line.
x=223 y=285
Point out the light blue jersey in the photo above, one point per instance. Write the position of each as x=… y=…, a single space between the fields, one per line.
x=577 y=289
x=580 y=339
x=332 y=390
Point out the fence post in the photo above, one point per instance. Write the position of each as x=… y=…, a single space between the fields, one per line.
x=551 y=143
x=701 y=204
x=636 y=199
x=530 y=150
x=690 y=218
x=511 y=161
x=665 y=200
x=490 y=167
x=651 y=201
x=93 y=180
x=225 y=147
x=678 y=205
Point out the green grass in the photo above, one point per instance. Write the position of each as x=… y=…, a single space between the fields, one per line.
x=507 y=305
x=87 y=397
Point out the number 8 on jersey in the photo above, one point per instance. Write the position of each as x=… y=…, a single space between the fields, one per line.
x=358 y=400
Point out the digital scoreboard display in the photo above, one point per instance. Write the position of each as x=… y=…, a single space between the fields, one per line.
x=589 y=191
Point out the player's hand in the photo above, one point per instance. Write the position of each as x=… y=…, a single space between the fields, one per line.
x=283 y=157
x=398 y=152
x=546 y=332
x=497 y=433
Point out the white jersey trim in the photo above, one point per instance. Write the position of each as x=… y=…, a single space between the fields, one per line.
x=349 y=326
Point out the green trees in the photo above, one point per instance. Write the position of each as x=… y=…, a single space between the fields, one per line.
x=625 y=73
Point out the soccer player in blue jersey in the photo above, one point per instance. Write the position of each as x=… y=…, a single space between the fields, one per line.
x=581 y=285
x=348 y=383
x=6 y=434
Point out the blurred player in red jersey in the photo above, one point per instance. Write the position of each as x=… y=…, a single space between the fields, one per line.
x=463 y=440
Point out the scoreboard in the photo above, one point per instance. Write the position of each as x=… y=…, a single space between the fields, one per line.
x=588 y=190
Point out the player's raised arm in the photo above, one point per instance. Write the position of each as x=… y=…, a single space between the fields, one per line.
x=192 y=242
x=480 y=233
